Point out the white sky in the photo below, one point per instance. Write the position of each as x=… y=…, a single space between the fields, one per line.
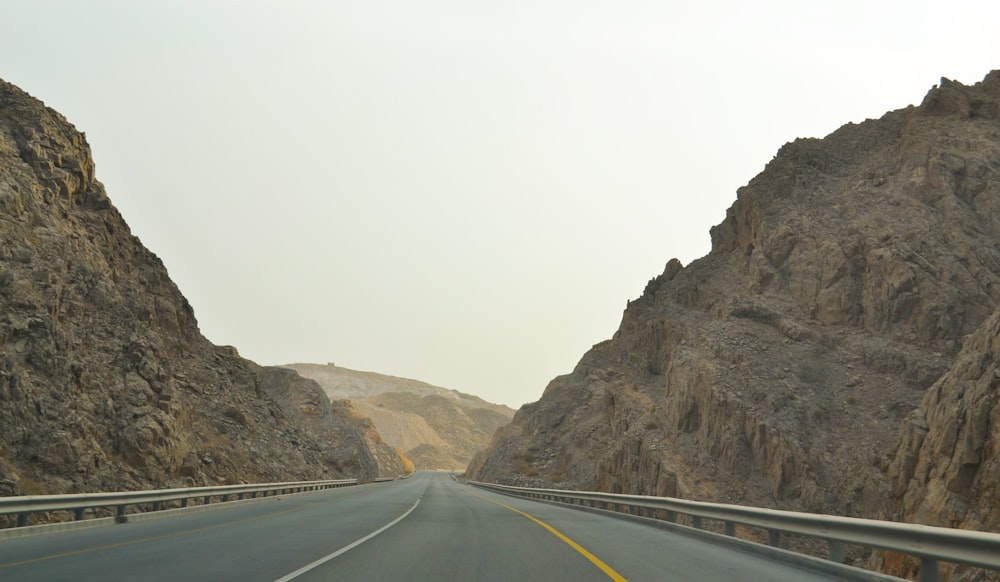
x=461 y=192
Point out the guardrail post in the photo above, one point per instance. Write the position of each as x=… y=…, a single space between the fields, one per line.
x=78 y=514
x=120 y=516
x=731 y=529
x=208 y=499
x=774 y=538
x=696 y=521
x=156 y=506
x=184 y=502
x=671 y=516
x=22 y=520
x=928 y=570
x=836 y=551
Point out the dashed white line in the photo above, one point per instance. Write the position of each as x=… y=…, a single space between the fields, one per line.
x=346 y=548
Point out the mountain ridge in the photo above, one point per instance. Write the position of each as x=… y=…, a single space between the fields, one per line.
x=778 y=370
x=106 y=382
x=437 y=428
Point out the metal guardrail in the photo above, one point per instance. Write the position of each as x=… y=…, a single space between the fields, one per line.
x=24 y=506
x=930 y=544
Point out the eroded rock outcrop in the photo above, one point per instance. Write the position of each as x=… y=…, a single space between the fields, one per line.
x=106 y=382
x=777 y=370
x=946 y=467
x=353 y=445
x=437 y=428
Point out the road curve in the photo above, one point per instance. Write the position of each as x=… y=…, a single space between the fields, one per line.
x=427 y=528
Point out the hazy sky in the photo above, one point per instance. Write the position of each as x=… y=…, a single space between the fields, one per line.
x=460 y=192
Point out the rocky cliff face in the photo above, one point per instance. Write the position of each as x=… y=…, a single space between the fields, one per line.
x=344 y=383
x=436 y=428
x=777 y=370
x=353 y=445
x=436 y=432
x=946 y=467
x=105 y=380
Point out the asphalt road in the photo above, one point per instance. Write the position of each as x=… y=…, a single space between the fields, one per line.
x=427 y=527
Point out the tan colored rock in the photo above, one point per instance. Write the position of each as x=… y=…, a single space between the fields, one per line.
x=437 y=428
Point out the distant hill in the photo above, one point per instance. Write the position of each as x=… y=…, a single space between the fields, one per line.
x=437 y=428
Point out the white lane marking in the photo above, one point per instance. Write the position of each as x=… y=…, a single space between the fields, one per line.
x=346 y=548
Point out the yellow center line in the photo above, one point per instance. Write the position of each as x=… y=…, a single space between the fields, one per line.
x=594 y=559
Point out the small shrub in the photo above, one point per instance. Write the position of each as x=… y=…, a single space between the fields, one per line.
x=526 y=469
x=30 y=486
x=408 y=466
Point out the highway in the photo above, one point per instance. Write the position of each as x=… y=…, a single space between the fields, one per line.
x=426 y=528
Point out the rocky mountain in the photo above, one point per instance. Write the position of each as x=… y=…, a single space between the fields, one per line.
x=354 y=445
x=341 y=383
x=437 y=428
x=106 y=382
x=946 y=467
x=802 y=363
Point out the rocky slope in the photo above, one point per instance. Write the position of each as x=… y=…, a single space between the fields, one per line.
x=436 y=428
x=778 y=369
x=946 y=467
x=356 y=446
x=341 y=383
x=105 y=380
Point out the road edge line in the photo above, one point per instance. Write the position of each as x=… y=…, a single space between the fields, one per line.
x=346 y=548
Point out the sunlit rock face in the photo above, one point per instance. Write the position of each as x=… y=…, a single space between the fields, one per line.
x=782 y=368
x=106 y=382
x=435 y=427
